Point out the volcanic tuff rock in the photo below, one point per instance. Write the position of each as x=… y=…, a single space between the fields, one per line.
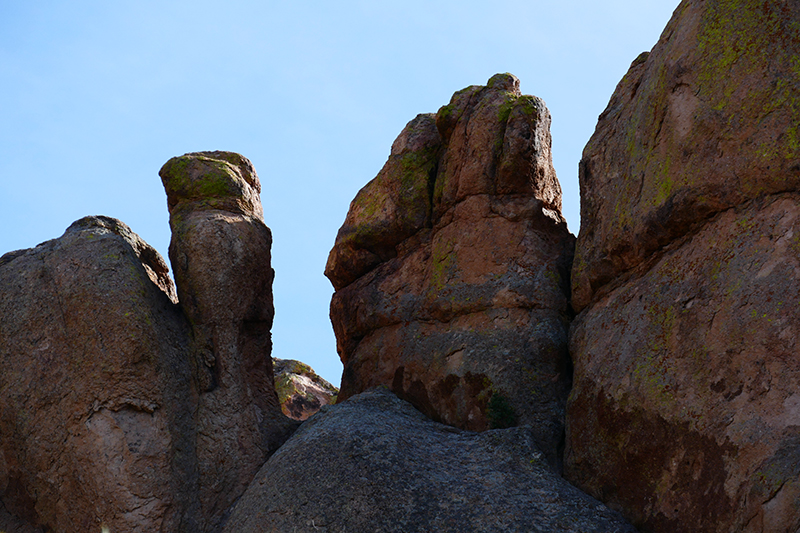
x=451 y=269
x=685 y=410
x=374 y=463
x=120 y=407
x=220 y=253
x=301 y=392
x=704 y=122
x=97 y=402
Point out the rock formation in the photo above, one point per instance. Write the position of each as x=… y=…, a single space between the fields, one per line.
x=129 y=406
x=301 y=392
x=451 y=269
x=220 y=254
x=96 y=390
x=374 y=463
x=121 y=408
x=684 y=412
x=703 y=123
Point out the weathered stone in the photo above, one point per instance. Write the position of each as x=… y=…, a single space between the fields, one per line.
x=684 y=409
x=122 y=409
x=452 y=266
x=220 y=253
x=705 y=121
x=97 y=396
x=301 y=392
x=374 y=463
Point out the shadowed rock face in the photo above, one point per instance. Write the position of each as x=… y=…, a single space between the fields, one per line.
x=684 y=409
x=97 y=394
x=374 y=463
x=121 y=408
x=451 y=268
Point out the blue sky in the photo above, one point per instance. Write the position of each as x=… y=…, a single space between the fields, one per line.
x=97 y=95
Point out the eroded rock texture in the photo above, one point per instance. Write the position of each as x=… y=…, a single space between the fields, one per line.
x=119 y=407
x=451 y=269
x=704 y=122
x=301 y=391
x=684 y=411
x=220 y=253
x=96 y=390
x=374 y=463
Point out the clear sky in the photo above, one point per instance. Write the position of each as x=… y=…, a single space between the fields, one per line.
x=97 y=95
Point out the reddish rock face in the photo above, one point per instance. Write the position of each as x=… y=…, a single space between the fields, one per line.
x=452 y=265
x=684 y=409
x=705 y=122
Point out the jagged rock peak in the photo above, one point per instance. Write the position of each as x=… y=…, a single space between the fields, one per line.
x=487 y=141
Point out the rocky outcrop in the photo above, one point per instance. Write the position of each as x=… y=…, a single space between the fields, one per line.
x=704 y=122
x=374 y=463
x=97 y=397
x=684 y=411
x=451 y=269
x=121 y=409
x=301 y=392
x=220 y=252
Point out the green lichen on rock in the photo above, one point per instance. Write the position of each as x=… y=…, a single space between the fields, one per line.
x=747 y=38
x=211 y=180
x=443 y=262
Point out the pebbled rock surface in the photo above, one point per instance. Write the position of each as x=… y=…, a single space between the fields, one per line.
x=220 y=253
x=374 y=463
x=452 y=269
x=96 y=410
x=301 y=392
x=704 y=122
x=684 y=411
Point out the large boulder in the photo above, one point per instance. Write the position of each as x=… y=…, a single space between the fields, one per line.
x=704 y=122
x=374 y=463
x=451 y=269
x=684 y=410
x=96 y=425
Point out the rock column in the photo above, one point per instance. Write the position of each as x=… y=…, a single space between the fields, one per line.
x=220 y=252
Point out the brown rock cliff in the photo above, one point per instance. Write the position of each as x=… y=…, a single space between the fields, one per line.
x=683 y=413
x=451 y=269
